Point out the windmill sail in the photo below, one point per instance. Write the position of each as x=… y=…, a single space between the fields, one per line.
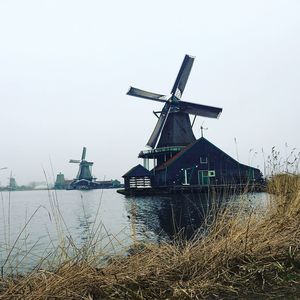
x=159 y=126
x=146 y=95
x=199 y=109
x=182 y=76
x=74 y=161
x=83 y=153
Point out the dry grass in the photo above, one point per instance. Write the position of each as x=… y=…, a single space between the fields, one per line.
x=246 y=254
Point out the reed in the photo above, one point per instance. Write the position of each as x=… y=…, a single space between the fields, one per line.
x=246 y=252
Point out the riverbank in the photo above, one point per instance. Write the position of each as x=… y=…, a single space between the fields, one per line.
x=245 y=253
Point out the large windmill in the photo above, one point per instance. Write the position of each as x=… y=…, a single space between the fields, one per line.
x=84 y=171
x=182 y=163
x=173 y=130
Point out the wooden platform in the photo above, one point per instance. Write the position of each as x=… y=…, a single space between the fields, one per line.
x=187 y=189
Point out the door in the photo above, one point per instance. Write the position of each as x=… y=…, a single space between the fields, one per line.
x=186 y=176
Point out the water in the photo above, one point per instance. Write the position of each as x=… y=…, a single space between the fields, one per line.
x=33 y=223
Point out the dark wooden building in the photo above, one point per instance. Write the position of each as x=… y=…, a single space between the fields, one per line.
x=202 y=163
x=138 y=178
x=198 y=166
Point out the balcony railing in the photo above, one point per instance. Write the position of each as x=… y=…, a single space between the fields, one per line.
x=161 y=150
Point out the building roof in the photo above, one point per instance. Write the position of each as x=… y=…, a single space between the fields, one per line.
x=190 y=146
x=138 y=171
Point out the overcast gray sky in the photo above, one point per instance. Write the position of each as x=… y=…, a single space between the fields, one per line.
x=65 y=68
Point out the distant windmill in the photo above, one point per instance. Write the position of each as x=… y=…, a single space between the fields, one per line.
x=173 y=127
x=84 y=167
x=12 y=184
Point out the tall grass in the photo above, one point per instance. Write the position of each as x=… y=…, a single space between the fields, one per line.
x=245 y=253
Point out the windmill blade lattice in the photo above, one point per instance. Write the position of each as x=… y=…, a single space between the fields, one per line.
x=199 y=109
x=146 y=95
x=159 y=125
x=83 y=153
x=182 y=76
x=74 y=161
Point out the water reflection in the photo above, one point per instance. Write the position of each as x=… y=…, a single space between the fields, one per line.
x=34 y=223
x=86 y=220
x=164 y=218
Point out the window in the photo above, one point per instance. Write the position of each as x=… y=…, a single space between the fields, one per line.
x=203 y=160
x=203 y=178
x=211 y=173
x=205 y=173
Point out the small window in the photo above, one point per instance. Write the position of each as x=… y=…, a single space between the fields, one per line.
x=211 y=173
x=203 y=160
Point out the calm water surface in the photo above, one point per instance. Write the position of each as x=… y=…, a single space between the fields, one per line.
x=33 y=223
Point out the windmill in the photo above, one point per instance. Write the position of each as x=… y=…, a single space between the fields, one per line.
x=12 y=184
x=180 y=162
x=173 y=127
x=84 y=167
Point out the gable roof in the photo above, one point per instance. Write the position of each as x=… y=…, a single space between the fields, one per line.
x=137 y=171
x=190 y=146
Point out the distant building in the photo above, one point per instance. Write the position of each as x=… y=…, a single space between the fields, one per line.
x=60 y=182
x=12 y=185
x=83 y=184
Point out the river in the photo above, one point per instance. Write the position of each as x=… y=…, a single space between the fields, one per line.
x=34 y=223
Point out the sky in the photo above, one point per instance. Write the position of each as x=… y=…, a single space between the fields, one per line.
x=65 y=68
